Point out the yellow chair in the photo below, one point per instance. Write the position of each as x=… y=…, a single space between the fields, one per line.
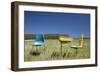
x=80 y=45
x=63 y=40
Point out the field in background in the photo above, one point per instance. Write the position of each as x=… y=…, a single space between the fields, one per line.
x=52 y=50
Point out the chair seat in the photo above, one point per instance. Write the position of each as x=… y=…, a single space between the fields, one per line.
x=38 y=43
x=65 y=39
x=76 y=47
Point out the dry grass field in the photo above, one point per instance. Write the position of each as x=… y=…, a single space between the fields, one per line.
x=52 y=50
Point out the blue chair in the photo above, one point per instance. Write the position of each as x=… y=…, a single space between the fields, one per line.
x=39 y=41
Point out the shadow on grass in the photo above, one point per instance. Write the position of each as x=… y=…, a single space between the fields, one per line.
x=34 y=53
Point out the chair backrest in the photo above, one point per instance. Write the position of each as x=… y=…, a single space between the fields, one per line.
x=39 y=38
x=81 y=40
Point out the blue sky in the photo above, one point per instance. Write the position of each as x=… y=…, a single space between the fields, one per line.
x=72 y=24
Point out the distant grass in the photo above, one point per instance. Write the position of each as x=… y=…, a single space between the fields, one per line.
x=52 y=50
